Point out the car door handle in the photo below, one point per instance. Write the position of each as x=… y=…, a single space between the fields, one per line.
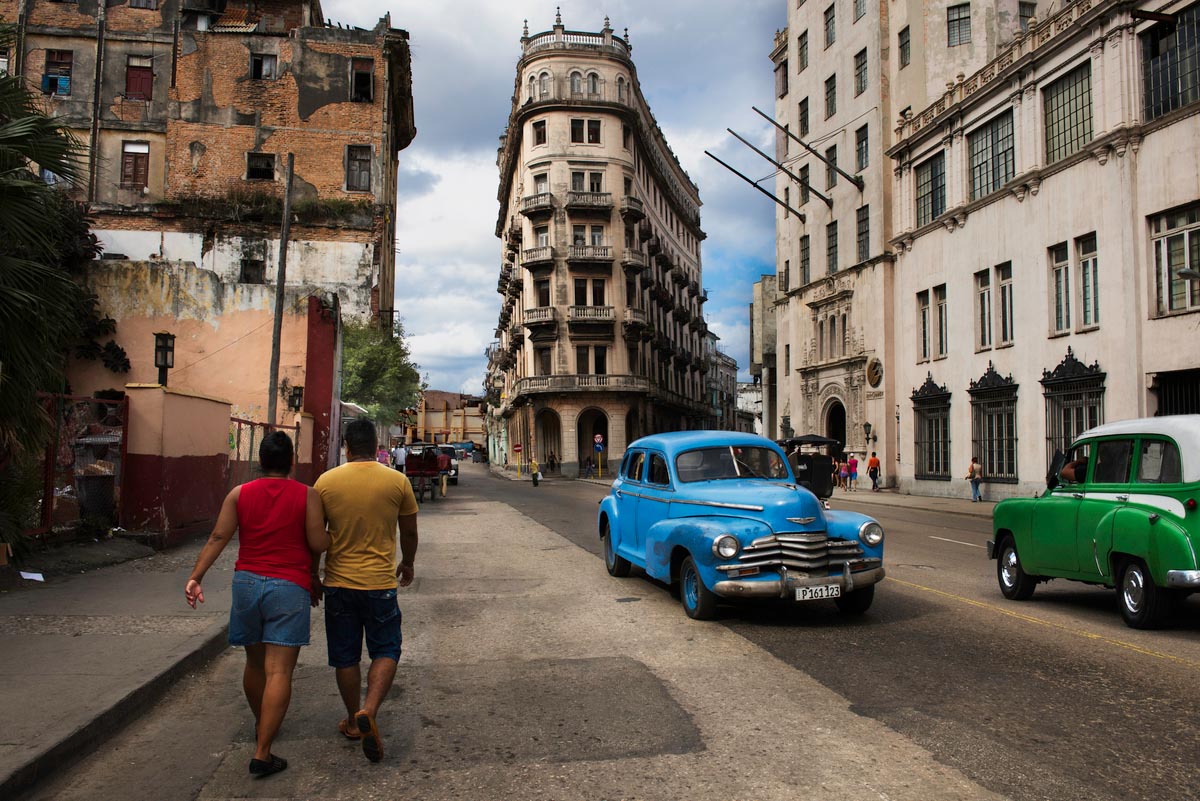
x=1077 y=495
x=617 y=493
x=1122 y=498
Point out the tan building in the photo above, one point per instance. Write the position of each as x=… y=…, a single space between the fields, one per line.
x=1047 y=214
x=844 y=69
x=601 y=334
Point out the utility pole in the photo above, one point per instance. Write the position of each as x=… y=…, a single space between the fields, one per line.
x=280 y=278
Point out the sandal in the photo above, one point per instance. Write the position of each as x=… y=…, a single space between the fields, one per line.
x=372 y=745
x=260 y=768
x=344 y=728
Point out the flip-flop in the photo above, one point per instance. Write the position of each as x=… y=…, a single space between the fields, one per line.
x=372 y=745
x=344 y=728
x=261 y=768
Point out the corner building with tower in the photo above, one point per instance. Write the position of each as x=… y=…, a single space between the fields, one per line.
x=601 y=332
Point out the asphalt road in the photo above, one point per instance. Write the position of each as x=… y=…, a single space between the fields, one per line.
x=1053 y=698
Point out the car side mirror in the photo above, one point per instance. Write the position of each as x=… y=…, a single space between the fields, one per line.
x=1056 y=466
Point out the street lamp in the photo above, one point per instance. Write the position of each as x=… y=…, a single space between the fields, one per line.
x=296 y=399
x=867 y=433
x=164 y=354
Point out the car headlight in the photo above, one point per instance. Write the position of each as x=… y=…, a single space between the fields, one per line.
x=726 y=546
x=870 y=533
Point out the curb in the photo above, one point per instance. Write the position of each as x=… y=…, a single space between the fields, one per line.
x=81 y=742
x=853 y=498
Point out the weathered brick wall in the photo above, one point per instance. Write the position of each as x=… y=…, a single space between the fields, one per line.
x=222 y=114
x=120 y=17
x=63 y=15
x=8 y=11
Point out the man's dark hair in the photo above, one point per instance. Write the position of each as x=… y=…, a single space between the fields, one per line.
x=360 y=438
x=872 y=453
x=275 y=453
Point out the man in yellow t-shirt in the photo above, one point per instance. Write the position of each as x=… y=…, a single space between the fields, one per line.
x=364 y=503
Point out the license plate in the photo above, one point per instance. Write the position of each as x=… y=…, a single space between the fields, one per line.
x=819 y=592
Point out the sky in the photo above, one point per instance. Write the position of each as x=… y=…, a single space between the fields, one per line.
x=702 y=65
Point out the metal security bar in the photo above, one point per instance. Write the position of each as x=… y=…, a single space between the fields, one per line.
x=1171 y=64
x=1068 y=107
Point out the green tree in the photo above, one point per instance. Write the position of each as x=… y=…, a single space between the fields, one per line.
x=377 y=372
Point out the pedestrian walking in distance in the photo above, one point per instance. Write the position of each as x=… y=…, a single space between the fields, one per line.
x=873 y=471
x=281 y=534
x=975 y=476
x=364 y=503
x=399 y=457
x=852 y=469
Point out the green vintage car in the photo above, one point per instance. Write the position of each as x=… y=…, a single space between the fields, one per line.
x=1120 y=510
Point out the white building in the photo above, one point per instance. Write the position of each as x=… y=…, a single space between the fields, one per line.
x=1046 y=207
x=601 y=336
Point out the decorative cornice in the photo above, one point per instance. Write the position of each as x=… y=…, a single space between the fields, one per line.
x=1071 y=370
x=991 y=381
x=930 y=393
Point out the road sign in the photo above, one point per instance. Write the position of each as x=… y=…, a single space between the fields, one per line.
x=599 y=447
x=517 y=448
x=598 y=439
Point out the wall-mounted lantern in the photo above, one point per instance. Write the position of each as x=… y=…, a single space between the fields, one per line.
x=164 y=354
x=296 y=399
x=867 y=433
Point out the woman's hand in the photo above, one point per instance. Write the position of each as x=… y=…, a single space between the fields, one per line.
x=194 y=592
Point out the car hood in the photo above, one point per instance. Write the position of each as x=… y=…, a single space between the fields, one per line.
x=782 y=506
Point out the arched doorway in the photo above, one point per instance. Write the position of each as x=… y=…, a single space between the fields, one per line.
x=591 y=422
x=548 y=439
x=835 y=423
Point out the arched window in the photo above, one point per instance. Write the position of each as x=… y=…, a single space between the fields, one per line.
x=845 y=335
x=820 y=340
x=576 y=83
x=832 y=336
x=621 y=89
x=532 y=87
x=544 y=83
x=593 y=84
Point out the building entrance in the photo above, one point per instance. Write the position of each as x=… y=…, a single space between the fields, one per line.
x=835 y=424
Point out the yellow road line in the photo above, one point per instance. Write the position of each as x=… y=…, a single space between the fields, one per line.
x=1030 y=619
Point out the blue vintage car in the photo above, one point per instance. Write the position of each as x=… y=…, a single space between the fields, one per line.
x=721 y=514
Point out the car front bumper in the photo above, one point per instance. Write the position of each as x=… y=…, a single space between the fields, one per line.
x=785 y=586
x=1184 y=579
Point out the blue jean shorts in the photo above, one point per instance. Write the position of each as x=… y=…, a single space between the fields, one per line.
x=268 y=610
x=351 y=615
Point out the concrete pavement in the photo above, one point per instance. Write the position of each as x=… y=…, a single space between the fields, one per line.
x=529 y=673
x=84 y=654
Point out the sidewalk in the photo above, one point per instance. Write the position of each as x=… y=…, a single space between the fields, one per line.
x=83 y=654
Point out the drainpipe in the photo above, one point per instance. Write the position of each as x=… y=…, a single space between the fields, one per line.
x=93 y=154
x=17 y=62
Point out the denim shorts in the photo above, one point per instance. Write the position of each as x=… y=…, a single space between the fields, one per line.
x=268 y=610
x=352 y=614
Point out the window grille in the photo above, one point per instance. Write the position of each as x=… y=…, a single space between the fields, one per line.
x=830 y=96
x=860 y=72
x=804 y=184
x=831 y=247
x=931 y=431
x=1074 y=394
x=802 y=51
x=994 y=425
x=863 y=233
x=861 y=155
x=805 y=260
x=992 y=161
x=830 y=29
x=831 y=175
x=1068 y=108
x=803 y=114
x=905 y=47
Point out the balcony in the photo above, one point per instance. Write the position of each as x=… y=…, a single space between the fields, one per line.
x=633 y=262
x=546 y=384
x=682 y=314
x=632 y=209
x=654 y=246
x=679 y=276
x=591 y=314
x=590 y=257
x=590 y=201
x=536 y=258
x=635 y=325
x=538 y=205
x=540 y=317
x=698 y=325
x=703 y=298
x=515 y=285
x=693 y=288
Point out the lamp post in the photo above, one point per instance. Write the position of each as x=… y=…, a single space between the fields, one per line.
x=867 y=434
x=164 y=354
x=296 y=399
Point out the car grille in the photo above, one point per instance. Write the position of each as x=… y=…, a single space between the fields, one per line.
x=810 y=552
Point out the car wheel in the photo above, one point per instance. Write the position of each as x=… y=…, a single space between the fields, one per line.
x=1014 y=582
x=617 y=565
x=1143 y=604
x=699 y=601
x=857 y=602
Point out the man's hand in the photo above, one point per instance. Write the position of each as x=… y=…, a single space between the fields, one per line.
x=193 y=592
x=317 y=592
x=405 y=574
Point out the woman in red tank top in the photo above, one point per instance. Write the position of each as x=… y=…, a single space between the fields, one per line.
x=281 y=530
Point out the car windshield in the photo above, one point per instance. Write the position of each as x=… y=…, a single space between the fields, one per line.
x=731 y=461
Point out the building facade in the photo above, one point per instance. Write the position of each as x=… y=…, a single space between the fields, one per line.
x=601 y=337
x=843 y=70
x=1047 y=214
x=188 y=110
x=764 y=295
